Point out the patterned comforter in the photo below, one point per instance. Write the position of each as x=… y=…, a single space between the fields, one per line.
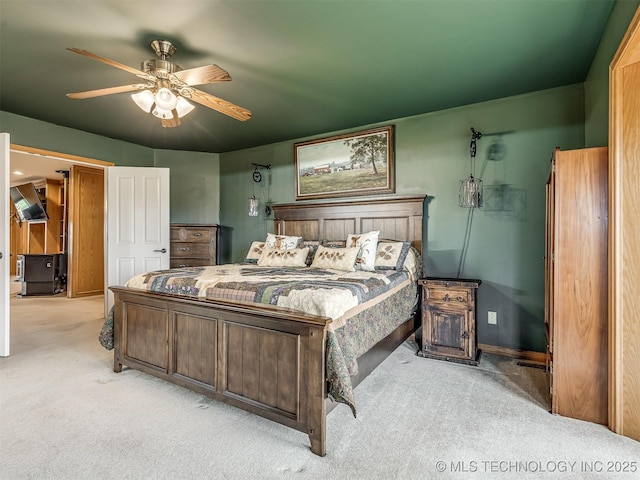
x=364 y=306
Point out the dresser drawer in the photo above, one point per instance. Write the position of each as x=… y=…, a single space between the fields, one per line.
x=186 y=249
x=189 y=262
x=191 y=234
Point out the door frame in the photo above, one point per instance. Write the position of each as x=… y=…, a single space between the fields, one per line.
x=624 y=223
x=5 y=249
x=5 y=320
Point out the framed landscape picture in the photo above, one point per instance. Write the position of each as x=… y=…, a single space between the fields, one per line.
x=360 y=163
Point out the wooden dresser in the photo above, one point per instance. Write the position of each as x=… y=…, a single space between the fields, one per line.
x=576 y=283
x=193 y=245
x=449 y=320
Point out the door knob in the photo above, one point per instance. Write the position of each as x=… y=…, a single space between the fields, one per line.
x=164 y=250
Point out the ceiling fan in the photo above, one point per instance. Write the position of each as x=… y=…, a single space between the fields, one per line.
x=166 y=88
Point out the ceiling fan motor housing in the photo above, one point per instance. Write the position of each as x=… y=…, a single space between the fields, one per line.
x=159 y=68
x=163 y=48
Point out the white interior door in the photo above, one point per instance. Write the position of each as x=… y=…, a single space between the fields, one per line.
x=137 y=230
x=5 y=318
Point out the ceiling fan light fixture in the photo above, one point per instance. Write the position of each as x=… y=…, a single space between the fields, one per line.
x=144 y=100
x=166 y=99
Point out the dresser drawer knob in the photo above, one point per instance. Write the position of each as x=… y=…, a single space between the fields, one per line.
x=197 y=234
x=183 y=249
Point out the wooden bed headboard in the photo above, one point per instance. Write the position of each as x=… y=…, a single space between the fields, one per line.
x=397 y=218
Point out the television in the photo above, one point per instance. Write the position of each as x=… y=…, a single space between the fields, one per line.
x=28 y=203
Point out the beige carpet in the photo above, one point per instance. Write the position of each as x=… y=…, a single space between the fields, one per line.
x=64 y=414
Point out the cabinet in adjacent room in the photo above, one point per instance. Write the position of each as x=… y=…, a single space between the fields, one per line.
x=194 y=245
x=576 y=283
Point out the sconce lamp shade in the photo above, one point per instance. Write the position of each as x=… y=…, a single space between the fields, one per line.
x=253 y=206
x=470 y=194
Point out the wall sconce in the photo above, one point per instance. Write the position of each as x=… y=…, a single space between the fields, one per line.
x=253 y=200
x=470 y=190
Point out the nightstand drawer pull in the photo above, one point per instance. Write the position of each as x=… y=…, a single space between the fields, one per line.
x=459 y=298
x=197 y=234
x=183 y=249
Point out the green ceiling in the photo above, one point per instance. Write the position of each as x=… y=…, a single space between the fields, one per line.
x=303 y=67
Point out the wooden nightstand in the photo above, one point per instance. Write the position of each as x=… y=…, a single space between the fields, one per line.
x=449 y=320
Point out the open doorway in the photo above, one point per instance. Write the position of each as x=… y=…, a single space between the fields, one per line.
x=71 y=236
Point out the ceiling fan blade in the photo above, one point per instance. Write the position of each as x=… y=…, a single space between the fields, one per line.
x=171 y=122
x=107 y=91
x=112 y=63
x=201 y=75
x=220 y=105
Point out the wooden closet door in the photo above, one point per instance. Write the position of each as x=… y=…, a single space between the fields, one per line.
x=579 y=282
x=86 y=227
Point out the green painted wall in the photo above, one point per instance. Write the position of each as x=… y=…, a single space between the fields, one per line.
x=195 y=185
x=506 y=247
x=596 y=86
x=34 y=133
x=194 y=176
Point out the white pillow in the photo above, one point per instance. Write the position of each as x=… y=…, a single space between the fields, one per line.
x=282 y=242
x=293 y=257
x=335 y=258
x=368 y=243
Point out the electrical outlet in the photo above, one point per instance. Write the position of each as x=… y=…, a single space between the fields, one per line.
x=492 y=318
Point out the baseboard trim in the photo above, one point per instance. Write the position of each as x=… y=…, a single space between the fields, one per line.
x=529 y=356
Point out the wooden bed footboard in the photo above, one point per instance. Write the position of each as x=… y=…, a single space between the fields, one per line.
x=269 y=362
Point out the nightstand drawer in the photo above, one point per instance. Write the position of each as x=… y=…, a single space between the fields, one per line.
x=446 y=295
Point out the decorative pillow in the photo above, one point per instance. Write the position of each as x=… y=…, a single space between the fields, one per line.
x=368 y=243
x=255 y=250
x=335 y=258
x=294 y=257
x=282 y=242
x=391 y=255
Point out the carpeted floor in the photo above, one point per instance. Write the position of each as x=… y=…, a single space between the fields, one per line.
x=64 y=414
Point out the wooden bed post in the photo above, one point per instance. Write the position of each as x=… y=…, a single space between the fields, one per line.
x=317 y=386
x=117 y=334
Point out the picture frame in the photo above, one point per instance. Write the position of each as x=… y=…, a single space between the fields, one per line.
x=359 y=163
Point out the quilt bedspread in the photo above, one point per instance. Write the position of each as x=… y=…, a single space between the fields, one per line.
x=323 y=292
